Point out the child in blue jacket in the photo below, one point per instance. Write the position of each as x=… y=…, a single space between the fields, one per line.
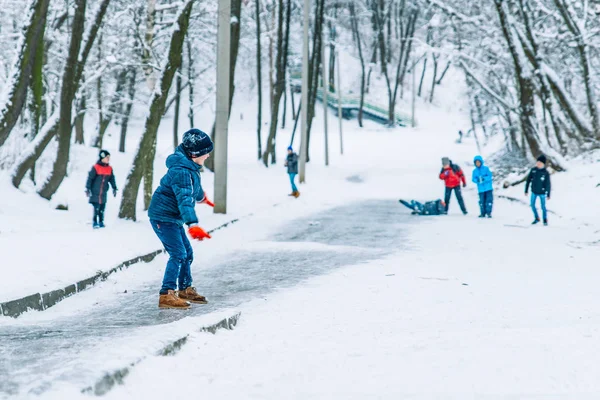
x=172 y=206
x=484 y=179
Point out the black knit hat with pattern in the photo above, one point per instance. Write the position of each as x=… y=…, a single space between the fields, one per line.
x=196 y=143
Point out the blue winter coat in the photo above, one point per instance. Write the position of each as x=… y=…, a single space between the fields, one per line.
x=483 y=177
x=179 y=190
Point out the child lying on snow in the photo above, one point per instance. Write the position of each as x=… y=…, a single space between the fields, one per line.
x=436 y=207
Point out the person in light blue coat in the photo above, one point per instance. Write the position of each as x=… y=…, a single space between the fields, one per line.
x=484 y=179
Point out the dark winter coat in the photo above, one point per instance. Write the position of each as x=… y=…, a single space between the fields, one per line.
x=179 y=190
x=435 y=207
x=100 y=176
x=452 y=175
x=539 y=179
x=291 y=162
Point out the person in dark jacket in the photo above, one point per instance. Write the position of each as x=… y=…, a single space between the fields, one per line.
x=96 y=188
x=539 y=180
x=435 y=207
x=452 y=175
x=171 y=207
x=291 y=162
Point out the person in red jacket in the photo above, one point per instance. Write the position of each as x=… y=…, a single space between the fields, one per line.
x=452 y=176
x=100 y=177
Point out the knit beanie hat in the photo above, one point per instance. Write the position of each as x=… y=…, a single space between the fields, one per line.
x=542 y=159
x=445 y=161
x=290 y=148
x=196 y=143
x=103 y=154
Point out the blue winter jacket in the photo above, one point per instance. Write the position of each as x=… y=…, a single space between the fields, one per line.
x=482 y=176
x=179 y=190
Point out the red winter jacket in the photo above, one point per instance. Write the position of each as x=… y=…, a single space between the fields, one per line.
x=100 y=176
x=452 y=177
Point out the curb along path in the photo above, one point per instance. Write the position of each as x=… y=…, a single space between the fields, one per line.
x=110 y=380
x=43 y=301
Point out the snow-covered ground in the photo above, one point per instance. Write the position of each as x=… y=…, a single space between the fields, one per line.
x=477 y=311
x=464 y=308
x=474 y=309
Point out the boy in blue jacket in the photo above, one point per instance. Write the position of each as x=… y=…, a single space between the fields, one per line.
x=172 y=206
x=484 y=179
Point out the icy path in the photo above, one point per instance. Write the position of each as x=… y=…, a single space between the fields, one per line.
x=77 y=350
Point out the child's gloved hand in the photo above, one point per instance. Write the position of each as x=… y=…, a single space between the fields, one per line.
x=87 y=193
x=198 y=233
x=207 y=202
x=115 y=192
x=464 y=185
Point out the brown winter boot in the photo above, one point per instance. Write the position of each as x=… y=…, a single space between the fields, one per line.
x=296 y=194
x=192 y=296
x=170 y=300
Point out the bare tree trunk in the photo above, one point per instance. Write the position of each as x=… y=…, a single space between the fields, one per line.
x=148 y=171
x=102 y=117
x=80 y=109
x=480 y=115
x=37 y=92
x=147 y=46
x=144 y=159
x=532 y=53
x=128 y=107
x=525 y=85
x=285 y=100
x=373 y=61
x=191 y=82
x=27 y=159
x=439 y=81
x=405 y=50
x=259 y=78
x=68 y=91
x=107 y=116
x=434 y=80
x=23 y=69
x=176 y=116
x=422 y=76
x=313 y=75
x=332 y=42
x=271 y=59
x=281 y=66
x=294 y=111
x=584 y=59
x=37 y=85
x=379 y=23
x=358 y=41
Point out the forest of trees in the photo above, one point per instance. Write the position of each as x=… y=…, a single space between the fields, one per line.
x=530 y=68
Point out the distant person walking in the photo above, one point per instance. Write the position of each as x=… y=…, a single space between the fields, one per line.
x=100 y=177
x=482 y=176
x=452 y=175
x=291 y=162
x=539 y=179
